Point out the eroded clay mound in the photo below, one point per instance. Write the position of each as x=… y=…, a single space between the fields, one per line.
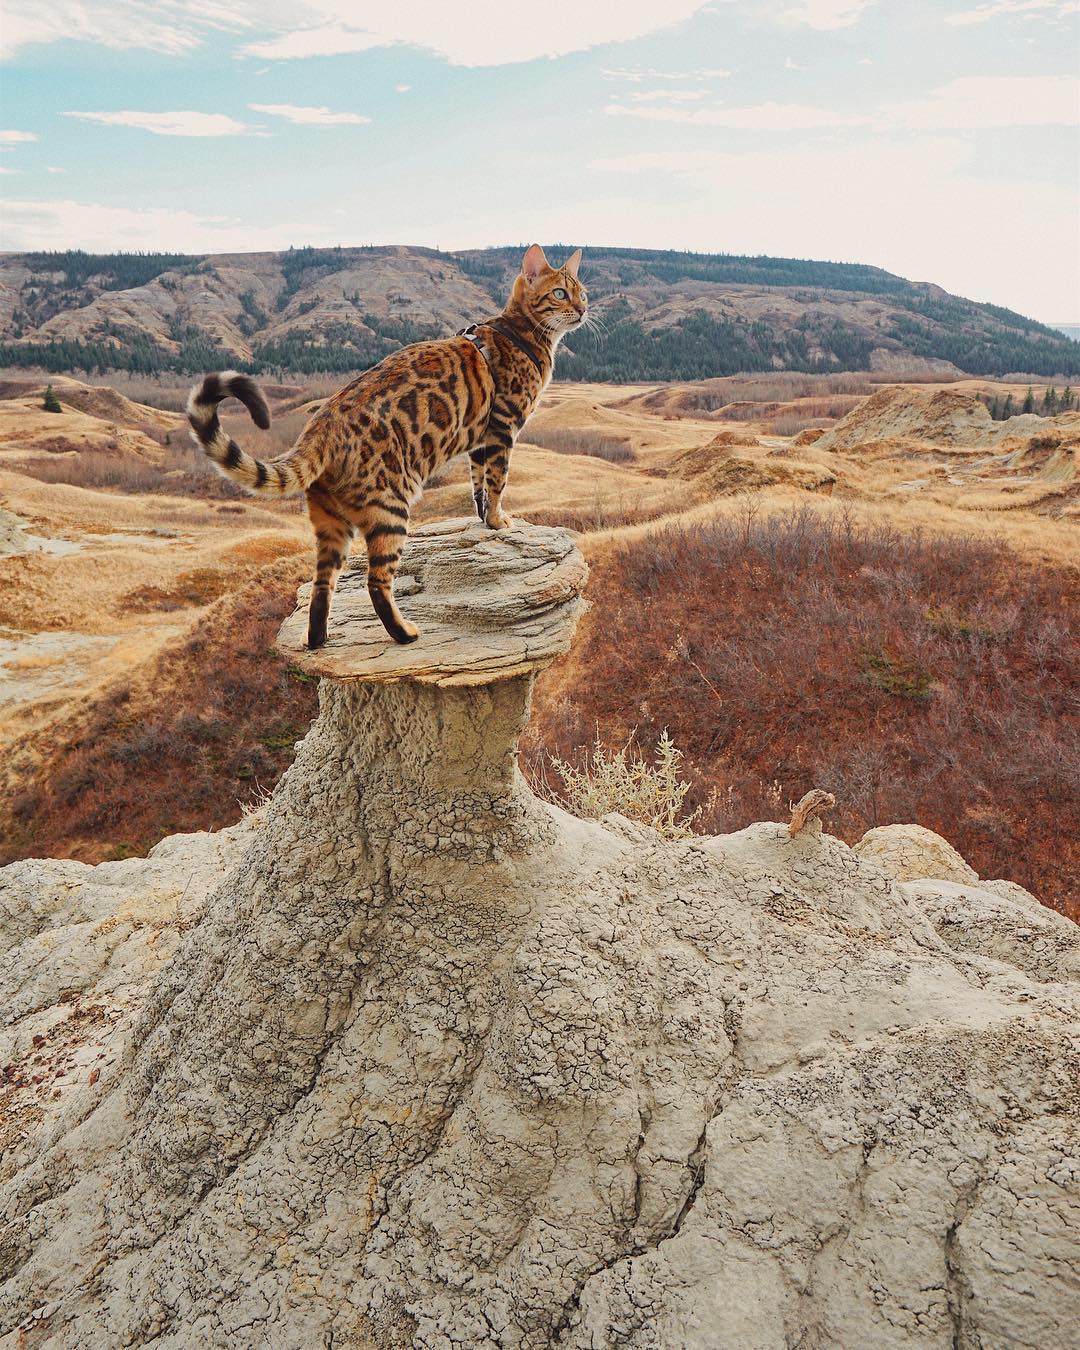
x=947 y=417
x=437 y=1064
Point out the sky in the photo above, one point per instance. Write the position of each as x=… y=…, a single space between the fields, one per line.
x=935 y=138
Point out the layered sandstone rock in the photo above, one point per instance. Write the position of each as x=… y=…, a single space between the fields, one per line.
x=422 y=1060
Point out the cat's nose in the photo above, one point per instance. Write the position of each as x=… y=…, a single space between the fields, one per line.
x=582 y=310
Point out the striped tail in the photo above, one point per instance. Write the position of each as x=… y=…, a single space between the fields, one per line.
x=281 y=476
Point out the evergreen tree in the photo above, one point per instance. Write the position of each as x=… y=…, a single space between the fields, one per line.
x=1050 y=402
x=52 y=403
x=995 y=409
x=1007 y=411
x=1029 y=401
x=1068 y=398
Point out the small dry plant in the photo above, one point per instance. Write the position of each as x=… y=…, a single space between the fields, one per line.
x=622 y=781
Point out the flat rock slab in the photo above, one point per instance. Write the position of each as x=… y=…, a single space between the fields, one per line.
x=489 y=605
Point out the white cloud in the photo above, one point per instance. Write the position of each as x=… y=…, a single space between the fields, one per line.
x=5 y=169
x=171 y=27
x=635 y=76
x=666 y=95
x=332 y=39
x=497 y=32
x=979 y=102
x=1034 y=9
x=14 y=137
x=169 y=123
x=826 y=15
x=54 y=168
x=310 y=117
x=789 y=64
x=32 y=225
x=756 y=117
x=402 y=88
x=783 y=202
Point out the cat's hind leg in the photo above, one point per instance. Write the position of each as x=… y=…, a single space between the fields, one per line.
x=385 y=528
x=333 y=535
x=477 y=473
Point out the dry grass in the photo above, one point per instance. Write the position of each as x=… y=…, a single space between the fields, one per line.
x=918 y=678
x=265 y=548
x=199 y=586
x=181 y=472
x=211 y=720
x=582 y=441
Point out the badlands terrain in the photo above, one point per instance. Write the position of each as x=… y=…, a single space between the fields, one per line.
x=665 y=315
x=809 y=580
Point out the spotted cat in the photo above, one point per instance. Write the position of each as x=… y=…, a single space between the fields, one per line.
x=364 y=457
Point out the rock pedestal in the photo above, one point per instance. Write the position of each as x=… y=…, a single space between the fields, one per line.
x=437 y=1064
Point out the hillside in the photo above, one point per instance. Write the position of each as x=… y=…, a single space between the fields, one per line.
x=663 y=315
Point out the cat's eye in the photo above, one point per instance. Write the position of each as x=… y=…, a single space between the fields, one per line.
x=559 y=293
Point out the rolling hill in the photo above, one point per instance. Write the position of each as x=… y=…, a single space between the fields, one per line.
x=666 y=315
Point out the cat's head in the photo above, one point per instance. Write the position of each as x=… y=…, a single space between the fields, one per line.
x=552 y=297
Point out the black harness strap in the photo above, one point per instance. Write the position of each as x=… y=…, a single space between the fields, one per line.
x=507 y=333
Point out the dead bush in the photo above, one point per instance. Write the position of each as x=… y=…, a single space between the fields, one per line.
x=921 y=678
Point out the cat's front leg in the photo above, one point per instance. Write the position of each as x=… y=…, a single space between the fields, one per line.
x=493 y=459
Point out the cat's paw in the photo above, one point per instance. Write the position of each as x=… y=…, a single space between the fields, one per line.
x=498 y=520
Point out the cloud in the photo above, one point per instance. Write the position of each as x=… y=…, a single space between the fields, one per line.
x=309 y=117
x=756 y=117
x=15 y=137
x=35 y=225
x=980 y=102
x=171 y=28
x=5 y=169
x=54 y=168
x=498 y=32
x=789 y=64
x=784 y=202
x=826 y=15
x=332 y=39
x=402 y=88
x=170 y=123
x=667 y=95
x=635 y=76
x=1032 y=9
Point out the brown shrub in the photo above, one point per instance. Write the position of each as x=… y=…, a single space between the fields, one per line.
x=200 y=586
x=210 y=722
x=919 y=678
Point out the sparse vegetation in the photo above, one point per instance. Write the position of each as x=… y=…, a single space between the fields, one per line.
x=624 y=781
x=180 y=472
x=919 y=678
x=582 y=441
x=215 y=717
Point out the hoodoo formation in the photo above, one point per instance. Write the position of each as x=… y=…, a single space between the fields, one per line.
x=413 y=1058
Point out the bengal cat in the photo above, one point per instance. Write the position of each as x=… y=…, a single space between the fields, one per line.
x=365 y=455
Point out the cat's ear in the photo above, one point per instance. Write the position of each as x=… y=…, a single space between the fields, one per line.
x=572 y=263
x=534 y=263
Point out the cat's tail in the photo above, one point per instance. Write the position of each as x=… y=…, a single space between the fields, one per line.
x=281 y=477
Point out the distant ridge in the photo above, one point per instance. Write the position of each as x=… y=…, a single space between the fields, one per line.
x=665 y=315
